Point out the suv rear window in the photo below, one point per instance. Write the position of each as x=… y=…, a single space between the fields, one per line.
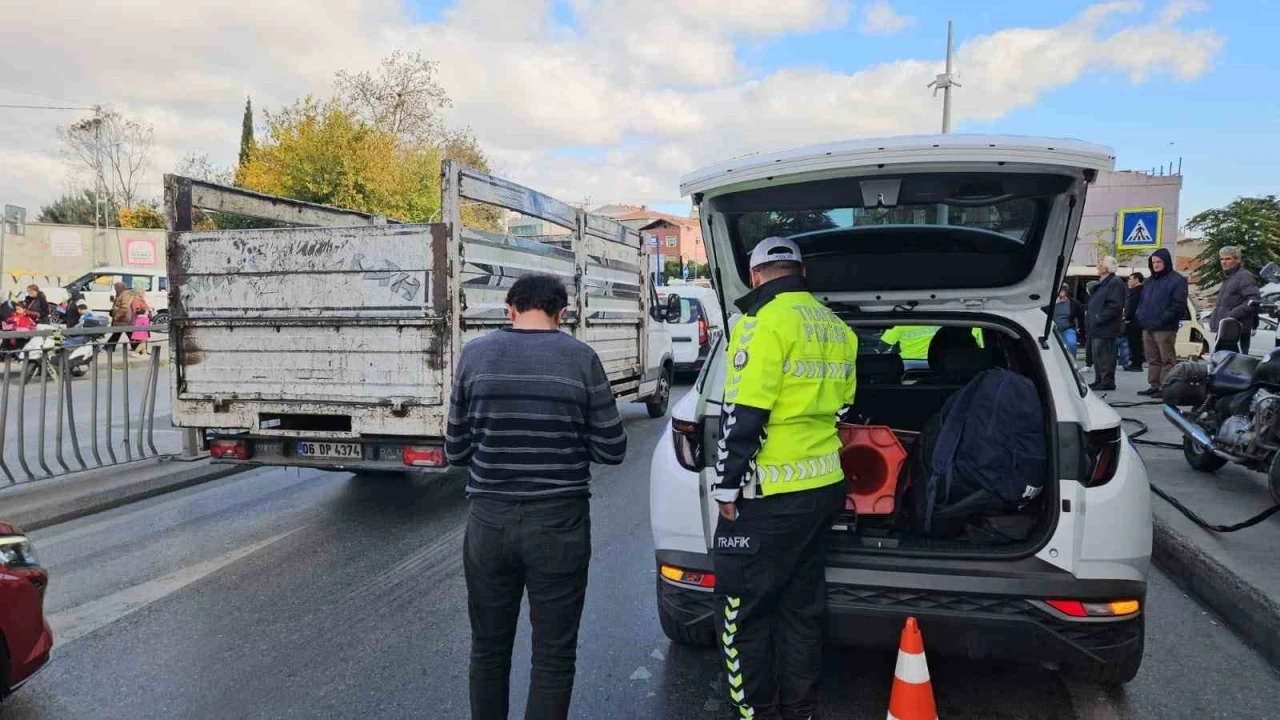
x=952 y=230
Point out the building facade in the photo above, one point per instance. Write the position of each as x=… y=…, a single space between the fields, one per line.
x=1126 y=190
x=51 y=255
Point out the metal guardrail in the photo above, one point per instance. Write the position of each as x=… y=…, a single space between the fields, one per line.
x=66 y=368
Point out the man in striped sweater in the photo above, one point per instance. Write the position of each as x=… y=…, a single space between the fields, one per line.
x=531 y=410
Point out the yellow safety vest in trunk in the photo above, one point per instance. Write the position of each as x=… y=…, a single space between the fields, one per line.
x=794 y=358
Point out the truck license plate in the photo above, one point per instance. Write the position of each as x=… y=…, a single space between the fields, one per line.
x=329 y=450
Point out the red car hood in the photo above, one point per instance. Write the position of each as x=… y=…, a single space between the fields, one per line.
x=7 y=529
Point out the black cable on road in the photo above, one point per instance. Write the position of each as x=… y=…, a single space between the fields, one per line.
x=1136 y=436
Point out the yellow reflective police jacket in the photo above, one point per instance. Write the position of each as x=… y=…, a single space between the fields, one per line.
x=791 y=374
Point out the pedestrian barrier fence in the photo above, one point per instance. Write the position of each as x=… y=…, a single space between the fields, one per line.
x=77 y=399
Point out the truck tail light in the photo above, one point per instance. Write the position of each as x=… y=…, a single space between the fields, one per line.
x=1102 y=447
x=703 y=335
x=422 y=456
x=238 y=449
x=687 y=437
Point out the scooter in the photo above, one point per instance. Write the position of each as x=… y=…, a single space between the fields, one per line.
x=41 y=354
x=1234 y=409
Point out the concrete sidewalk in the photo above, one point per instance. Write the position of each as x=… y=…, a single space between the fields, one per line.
x=37 y=504
x=1236 y=574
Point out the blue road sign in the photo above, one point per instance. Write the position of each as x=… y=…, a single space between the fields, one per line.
x=1139 y=228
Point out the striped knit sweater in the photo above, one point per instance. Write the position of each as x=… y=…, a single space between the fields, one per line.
x=531 y=410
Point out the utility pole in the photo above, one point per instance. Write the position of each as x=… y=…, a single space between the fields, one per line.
x=944 y=82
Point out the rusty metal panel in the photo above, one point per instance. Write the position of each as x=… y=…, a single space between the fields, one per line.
x=483 y=187
x=372 y=271
x=344 y=363
x=491 y=263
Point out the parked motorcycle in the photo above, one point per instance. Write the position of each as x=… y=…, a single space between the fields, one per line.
x=1234 y=409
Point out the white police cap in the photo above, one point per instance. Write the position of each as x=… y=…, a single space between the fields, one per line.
x=774 y=249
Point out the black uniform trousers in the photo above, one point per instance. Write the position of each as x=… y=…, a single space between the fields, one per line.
x=770 y=570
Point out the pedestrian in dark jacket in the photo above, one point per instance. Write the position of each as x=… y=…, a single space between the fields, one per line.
x=1161 y=310
x=1235 y=299
x=37 y=304
x=1105 y=318
x=1132 y=330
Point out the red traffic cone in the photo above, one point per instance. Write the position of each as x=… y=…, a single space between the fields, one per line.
x=912 y=695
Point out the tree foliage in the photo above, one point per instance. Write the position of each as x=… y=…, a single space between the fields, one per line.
x=143 y=215
x=1251 y=224
x=1104 y=244
x=73 y=208
x=401 y=97
x=246 y=134
x=115 y=149
x=322 y=152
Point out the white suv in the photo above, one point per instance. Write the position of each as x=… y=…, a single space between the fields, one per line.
x=955 y=232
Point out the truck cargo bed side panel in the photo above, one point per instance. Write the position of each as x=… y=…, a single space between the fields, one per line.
x=317 y=316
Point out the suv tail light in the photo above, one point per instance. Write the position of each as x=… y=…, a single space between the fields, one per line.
x=689 y=577
x=1102 y=448
x=703 y=335
x=687 y=437
x=238 y=449
x=419 y=456
x=1077 y=609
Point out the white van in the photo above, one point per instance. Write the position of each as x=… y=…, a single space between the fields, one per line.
x=701 y=321
x=98 y=288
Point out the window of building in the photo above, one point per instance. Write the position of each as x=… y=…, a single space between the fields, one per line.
x=671 y=241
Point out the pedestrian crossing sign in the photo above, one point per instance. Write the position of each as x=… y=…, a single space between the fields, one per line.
x=1139 y=228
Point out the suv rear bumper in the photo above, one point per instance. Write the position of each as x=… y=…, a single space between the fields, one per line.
x=1001 y=620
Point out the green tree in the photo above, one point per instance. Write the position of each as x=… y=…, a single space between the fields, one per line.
x=246 y=133
x=73 y=208
x=1251 y=224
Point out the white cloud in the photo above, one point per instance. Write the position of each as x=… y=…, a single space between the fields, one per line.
x=880 y=19
x=654 y=86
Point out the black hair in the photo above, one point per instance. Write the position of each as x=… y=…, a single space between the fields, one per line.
x=538 y=292
x=1138 y=275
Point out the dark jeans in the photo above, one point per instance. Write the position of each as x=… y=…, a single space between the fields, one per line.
x=1104 y=361
x=1136 y=354
x=770 y=599
x=544 y=546
x=115 y=340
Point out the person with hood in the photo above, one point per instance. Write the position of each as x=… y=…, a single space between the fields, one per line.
x=1104 y=319
x=1238 y=297
x=1132 y=330
x=1162 y=308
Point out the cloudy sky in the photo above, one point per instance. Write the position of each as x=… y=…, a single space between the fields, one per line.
x=612 y=100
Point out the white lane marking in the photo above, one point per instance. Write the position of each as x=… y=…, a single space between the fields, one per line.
x=81 y=620
x=641 y=673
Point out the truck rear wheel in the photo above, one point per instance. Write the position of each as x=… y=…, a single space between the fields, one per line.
x=657 y=404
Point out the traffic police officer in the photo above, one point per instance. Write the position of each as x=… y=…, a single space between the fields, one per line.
x=791 y=376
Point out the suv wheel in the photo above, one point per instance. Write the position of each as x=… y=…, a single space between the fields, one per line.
x=1202 y=458
x=657 y=405
x=1119 y=672
x=699 y=634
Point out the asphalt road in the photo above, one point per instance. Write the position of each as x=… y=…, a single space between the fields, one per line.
x=301 y=594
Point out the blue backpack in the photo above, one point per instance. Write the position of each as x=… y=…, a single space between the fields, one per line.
x=989 y=451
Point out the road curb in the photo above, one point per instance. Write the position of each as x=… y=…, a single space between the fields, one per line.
x=1250 y=612
x=59 y=510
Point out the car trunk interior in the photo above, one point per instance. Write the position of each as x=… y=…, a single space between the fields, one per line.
x=904 y=395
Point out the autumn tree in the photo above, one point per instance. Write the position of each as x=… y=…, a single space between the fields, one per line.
x=323 y=152
x=143 y=215
x=401 y=97
x=1249 y=223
